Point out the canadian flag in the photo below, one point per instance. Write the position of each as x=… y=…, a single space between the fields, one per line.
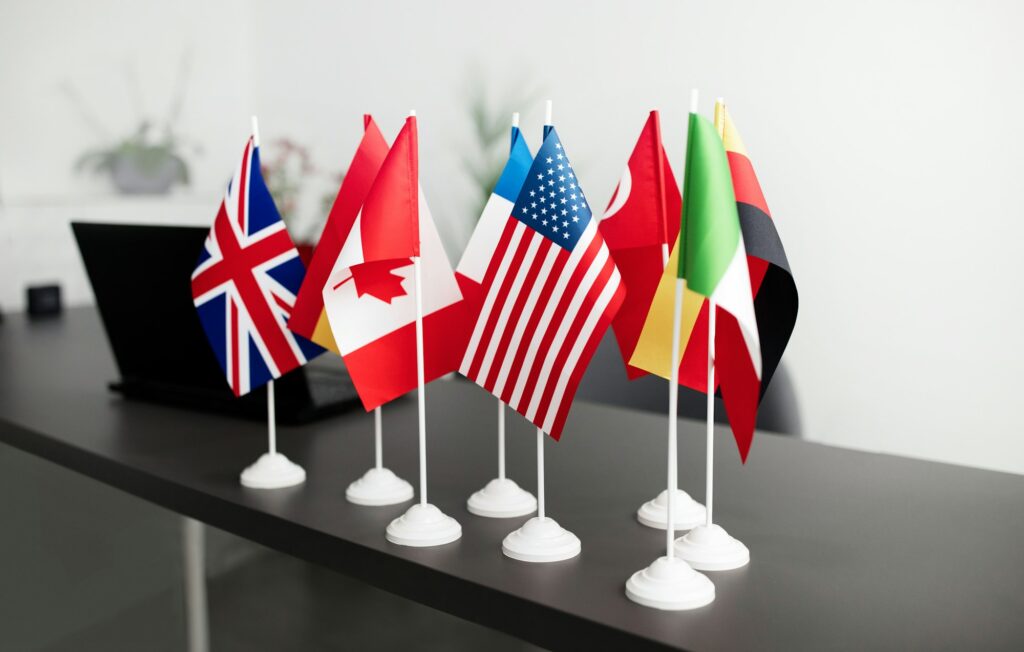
x=369 y=296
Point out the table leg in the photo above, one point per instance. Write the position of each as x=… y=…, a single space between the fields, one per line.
x=193 y=554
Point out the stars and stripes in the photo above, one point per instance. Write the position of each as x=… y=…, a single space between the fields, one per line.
x=550 y=292
x=245 y=283
x=552 y=203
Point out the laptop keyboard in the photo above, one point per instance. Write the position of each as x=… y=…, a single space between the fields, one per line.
x=327 y=386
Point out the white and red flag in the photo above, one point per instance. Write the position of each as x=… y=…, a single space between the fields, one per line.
x=369 y=294
x=549 y=293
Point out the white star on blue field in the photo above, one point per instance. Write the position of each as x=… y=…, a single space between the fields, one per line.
x=551 y=201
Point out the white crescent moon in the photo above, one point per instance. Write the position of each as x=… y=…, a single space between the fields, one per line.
x=621 y=194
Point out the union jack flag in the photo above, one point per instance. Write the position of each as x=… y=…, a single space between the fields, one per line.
x=245 y=283
x=551 y=290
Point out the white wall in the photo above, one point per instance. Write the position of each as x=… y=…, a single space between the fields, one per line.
x=96 y=48
x=886 y=136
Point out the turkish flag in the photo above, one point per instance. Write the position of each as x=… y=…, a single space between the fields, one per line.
x=370 y=298
x=639 y=226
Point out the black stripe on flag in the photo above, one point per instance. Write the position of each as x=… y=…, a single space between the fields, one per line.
x=777 y=301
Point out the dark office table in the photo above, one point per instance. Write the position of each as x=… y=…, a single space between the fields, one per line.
x=849 y=550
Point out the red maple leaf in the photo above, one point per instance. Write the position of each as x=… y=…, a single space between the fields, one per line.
x=377 y=279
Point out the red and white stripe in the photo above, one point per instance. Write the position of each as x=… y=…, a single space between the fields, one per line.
x=543 y=314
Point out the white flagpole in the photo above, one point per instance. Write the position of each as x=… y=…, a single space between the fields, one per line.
x=709 y=546
x=662 y=210
x=502 y=497
x=501 y=440
x=501 y=405
x=379 y=485
x=654 y=513
x=673 y=383
x=378 y=444
x=272 y=470
x=548 y=110
x=710 y=444
x=271 y=420
x=420 y=398
x=709 y=499
x=540 y=474
x=271 y=416
x=422 y=524
x=673 y=418
x=421 y=402
x=420 y=373
x=669 y=582
x=541 y=539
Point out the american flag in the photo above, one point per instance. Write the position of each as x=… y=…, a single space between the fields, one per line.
x=245 y=283
x=551 y=290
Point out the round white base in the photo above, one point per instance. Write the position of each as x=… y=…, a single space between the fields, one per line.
x=273 y=471
x=379 y=487
x=502 y=498
x=688 y=512
x=670 y=584
x=541 y=540
x=423 y=525
x=711 y=548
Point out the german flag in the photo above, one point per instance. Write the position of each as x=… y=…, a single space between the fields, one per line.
x=775 y=296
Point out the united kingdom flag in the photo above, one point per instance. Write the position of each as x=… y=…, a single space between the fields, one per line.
x=245 y=283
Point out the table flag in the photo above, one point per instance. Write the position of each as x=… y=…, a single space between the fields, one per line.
x=639 y=225
x=711 y=257
x=309 y=318
x=369 y=295
x=550 y=291
x=775 y=295
x=245 y=282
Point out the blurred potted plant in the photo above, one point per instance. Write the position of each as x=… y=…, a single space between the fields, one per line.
x=150 y=160
x=284 y=167
x=139 y=164
x=491 y=123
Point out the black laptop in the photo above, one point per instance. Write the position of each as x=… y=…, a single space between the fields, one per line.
x=141 y=277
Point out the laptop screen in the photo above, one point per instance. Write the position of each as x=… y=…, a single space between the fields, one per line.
x=141 y=277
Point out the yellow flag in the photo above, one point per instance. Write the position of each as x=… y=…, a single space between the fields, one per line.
x=322 y=333
x=654 y=348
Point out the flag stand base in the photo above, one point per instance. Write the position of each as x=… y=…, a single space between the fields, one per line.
x=423 y=525
x=379 y=486
x=670 y=584
x=541 y=540
x=688 y=512
x=273 y=471
x=711 y=548
x=502 y=498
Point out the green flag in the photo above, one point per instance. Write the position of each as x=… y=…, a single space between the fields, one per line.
x=710 y=232
x=713 y=262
